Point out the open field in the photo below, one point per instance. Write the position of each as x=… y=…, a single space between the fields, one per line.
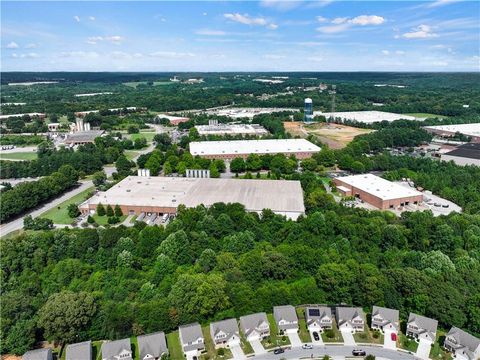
x=18 y=156
x=147 y=135
x=334 y=135
x=59 y=214
x=427 y=116
x=174 y=347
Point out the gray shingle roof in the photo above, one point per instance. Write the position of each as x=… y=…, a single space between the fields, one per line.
x=285 y=312
x=388 y=315
x=228 y=326
x=38 y=354
x=114 y=348
x=425 y=323
x=152 y=344
x=79 y=351
x=464 y=339
x=252 y=321
x=348 y=313
x=323 y=311
x=190 y=333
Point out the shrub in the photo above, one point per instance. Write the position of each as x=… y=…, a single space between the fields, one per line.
x=100 y=210
x=110 y=211
x=221 y=352
x=118 y=211
x=329 y=333
x=113 y=220
x=376 y=335
x=90 y=220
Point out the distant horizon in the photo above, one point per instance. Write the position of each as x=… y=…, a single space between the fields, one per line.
x=239 y=71
x=437 y=36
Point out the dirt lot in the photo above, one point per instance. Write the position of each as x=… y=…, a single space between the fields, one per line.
x=334 y=135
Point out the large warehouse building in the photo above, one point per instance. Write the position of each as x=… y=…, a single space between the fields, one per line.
x=162 y=195
x=367 y=117
x=466 y=154
x=231 y=129
x=470 y=130
x=381 y=193
x=301 y=148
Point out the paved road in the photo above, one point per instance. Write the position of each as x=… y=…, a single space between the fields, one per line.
x=335 y=351
x=17 y=224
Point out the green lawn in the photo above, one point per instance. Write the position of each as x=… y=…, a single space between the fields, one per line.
x=246 y=347
x=302 y=324
x=59 y=214
x=174 y=347
x=407 y=344
x=337 y=336
x=130 y=154
x=437 y=352
x=18 y=156
x=427 y=115
x=97 y=350
x=135 y=350
x=367 y=337
x=149 y=135
x=274 y=339
x=211 y=352
x=103 y=220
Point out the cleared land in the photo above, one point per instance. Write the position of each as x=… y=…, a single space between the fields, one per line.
x=147 y=135
x=59 y=214
x=18 y=156
x=427 y=116
x=336 y=136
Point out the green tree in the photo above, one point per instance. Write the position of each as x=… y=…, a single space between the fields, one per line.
x=207 y=260
x=73 y=211
x=109 y=211
x=118 y=211
x=100 y=210
x=99 y=178
x=237 y=165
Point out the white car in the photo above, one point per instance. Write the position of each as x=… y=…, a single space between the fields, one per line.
x=307 y=346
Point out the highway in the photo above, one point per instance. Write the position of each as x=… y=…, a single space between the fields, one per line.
x=335 y=351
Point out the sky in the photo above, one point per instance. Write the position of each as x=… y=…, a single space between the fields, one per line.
x=268 y=35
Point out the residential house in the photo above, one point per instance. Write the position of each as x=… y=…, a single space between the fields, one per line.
x=38 y=354
x=286 y=318
x=255 y=326
x=117 y=350
x=79 y=351
x=152 y=346
x=191 y=337
x=225 y=332
x=385 y=319
x=350 y=318
x=463 y=345
x=421 y=327
x=318 y=318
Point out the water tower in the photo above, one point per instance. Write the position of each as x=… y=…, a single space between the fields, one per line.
x=308 y=110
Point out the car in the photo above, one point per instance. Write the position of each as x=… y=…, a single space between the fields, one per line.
x=307 y=346
x=358 y=352
x=316 y=336
x=393 y=336
x=278 y=351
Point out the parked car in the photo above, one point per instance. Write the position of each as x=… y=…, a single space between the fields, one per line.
x=316 y=336
x=307 y=346
x=358 y=352
x=393 y=336
x=278 y=351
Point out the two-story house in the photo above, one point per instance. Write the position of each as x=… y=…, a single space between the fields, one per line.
x=255 y=326
x=421 y=327
x=385 y=319
x=318 y=318
x=38 y=354
x=463 y=345
x=152 y=346
x=191 y=338
x=286 y=319
x=79 y=351
x=225 y=332
x=350 y=318
x=117 y=350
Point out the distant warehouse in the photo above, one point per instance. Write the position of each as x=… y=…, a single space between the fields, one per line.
x=231 y=129
x=380 y=193
x=162 y=195
x=301 y=148
x=466 y=154
x=470 y=130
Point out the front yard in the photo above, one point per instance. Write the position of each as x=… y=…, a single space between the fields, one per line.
x=174 y=347
x=368 y=336
x=274 y=340
x=333 y=335
x=407 y=344
x=59 y=214
x=211 y=352
x=302 y=325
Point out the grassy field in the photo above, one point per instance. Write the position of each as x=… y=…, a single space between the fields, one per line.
x=367 y=337
x=246 y=347
x=59 y=215
x=302 y=324
x=437 y=352
x=149 y=135
x=337 y=338
x=427 y=115
x=407 y=344
x=103 y=220
x=174 y=347
x=274 y=340
x=18 y=155
x=97 y=350
x=130 y=154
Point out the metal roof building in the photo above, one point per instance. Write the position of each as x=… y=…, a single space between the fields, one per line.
x=301 y=148
x=162 y=195
x=366 y=117
x=471 y=130
x=231 y=129
x=466 y=154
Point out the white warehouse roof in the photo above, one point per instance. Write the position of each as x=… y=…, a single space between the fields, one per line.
x=465 y=129
x=271 y=146
x=379 y=187
x=367 y=117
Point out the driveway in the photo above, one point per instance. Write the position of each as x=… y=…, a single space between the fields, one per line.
x=237 y=351
x=294 y=339
x=423 y=350
x=257 y=346
x=388 y=343
x=191 y=354
x=319 y=341
x=348 y=337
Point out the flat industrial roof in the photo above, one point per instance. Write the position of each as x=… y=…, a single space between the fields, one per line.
x=171 y=117
x=465 y=129
x=469 y=150
x=384 y=189
x=255 y=195
x=223 y=129
x=82 y=136
x=271 y=146
x=21 y=115
x=247 y=112
x=365 y=116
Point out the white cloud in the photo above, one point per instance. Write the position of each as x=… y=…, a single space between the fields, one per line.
x=171 y=54
x=31 y=55
x=12 y=45
x=248 y=20
x=76 y=18
x=273 y=56
x=209 y=32
x=204 y=14
x=400 y=52
x=91 y=18
x=79 y=54
x=115 y=39
x=440 y=3
x=321 y=19
x=344 y=23
x=318 y=4
x=385 y=52
x=14 y=55
x=30 y=46
x=281 y=5
x=420 y=32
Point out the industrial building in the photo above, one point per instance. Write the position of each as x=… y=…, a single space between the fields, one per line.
x=162 y=195
x=32 y=115
x=301 y=148
x=214 y=128
x=82 y=114
x=174 y=120
x=378 y=192
x=238 y=113
x=466 y=154
x=83 y=137
x=470 y=130
x=308 y=110
x=366 y=117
